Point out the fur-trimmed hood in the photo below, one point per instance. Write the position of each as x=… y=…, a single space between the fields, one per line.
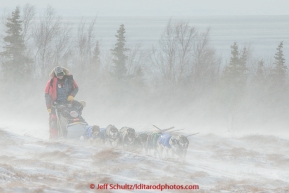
x=52 y=74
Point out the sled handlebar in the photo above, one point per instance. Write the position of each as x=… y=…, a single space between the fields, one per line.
x=61 y=106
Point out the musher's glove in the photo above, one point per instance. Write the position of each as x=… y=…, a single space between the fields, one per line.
x=70 y=98
x=83 y=103
x=49 y=110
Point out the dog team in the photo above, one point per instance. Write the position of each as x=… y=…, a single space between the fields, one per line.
x=152 y=143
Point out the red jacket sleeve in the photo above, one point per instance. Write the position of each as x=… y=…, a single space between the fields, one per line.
x=75 y=84
x=47 y=87
x=47 y=95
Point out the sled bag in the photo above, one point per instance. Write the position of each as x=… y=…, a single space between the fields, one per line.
x=75 y=131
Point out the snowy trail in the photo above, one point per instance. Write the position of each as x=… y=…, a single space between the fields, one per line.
x=216 y=164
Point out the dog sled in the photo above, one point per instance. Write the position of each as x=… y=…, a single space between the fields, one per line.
x=70 y=123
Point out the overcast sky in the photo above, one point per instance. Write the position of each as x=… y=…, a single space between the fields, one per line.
x=158 y=7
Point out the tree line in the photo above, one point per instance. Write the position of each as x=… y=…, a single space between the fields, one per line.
x=183 y=65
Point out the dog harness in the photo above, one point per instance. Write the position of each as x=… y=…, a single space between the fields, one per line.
x=88 y=132
x=101 y=133
x=164 y=139
x=153 y=139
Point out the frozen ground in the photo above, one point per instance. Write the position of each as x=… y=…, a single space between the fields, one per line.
x=252 y=163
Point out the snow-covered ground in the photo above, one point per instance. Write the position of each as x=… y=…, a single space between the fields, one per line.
x=252 y=163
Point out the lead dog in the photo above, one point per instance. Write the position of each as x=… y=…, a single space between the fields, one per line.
x=127 y=137
x=111 y=135
x=179 y=146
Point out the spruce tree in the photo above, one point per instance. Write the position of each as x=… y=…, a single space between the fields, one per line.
x=260 y=77
x=119 y=55
x=96 y=52
x=258 y=84
x=139 y=77
x=277 y=90
x=95 y=59
x=15 y=65
x=233 y=80
x=235 y=73
x=279 y=71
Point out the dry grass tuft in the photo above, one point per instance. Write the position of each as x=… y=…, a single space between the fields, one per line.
x=5 y=158
x=105 y=155
x=198 y=174
x=38 y=190
x=263 y=139
x=3 y=133
x=278 y=160
x=82 y=186
x=54 y=155
x=243 y=153
x=106 y=180
x=238 y=187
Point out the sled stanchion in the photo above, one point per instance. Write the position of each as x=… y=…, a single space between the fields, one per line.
x=60 y=129
x=58 y=123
